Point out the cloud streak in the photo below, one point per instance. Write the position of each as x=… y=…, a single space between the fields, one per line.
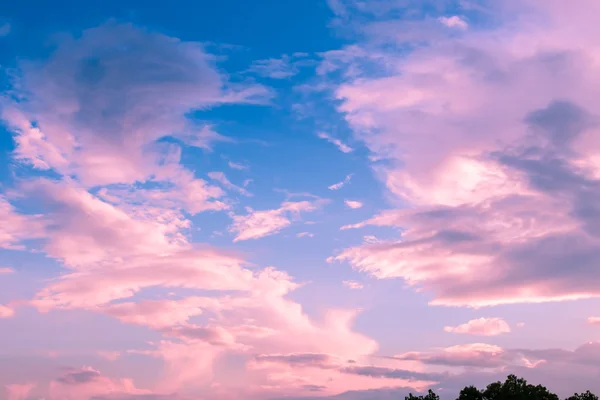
x=339 y=185
x=344 y=148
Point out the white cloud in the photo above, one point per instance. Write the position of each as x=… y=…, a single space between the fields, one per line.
x=238 y=166
x=344 y=148
x=339 y=185
x=353 y=204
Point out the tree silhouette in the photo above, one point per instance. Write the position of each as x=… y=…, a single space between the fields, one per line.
x=512 y=388
x=429 y=396
x=470 y=393
x=583 y=396
x=515 y=388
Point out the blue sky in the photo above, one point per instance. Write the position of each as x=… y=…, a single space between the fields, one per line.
x=270 y=198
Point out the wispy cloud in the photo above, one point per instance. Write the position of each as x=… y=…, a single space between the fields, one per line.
x=344 y=148
x=339 y=185
x=284 y=67
x=4 y=28
x=238 y=166
x=258 y=224
x=305 y=234
x=222 y=179
x=353 y=284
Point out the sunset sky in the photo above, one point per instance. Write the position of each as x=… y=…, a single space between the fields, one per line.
x=298 y=199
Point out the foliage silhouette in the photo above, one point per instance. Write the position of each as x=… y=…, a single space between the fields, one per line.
x=512 y=388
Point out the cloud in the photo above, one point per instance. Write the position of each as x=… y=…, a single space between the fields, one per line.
x=76 y=377
x=593 y=320
x=339 y=185
x=344 y=148
x=4 y=28
x=86 y=382
x=16 y=227
x=305 y=234
x=90 y=103
x=237 y=166
x=304 y=371
x=479 y=355
x=275 y=68
x=19 y=391
x=6 y=270
x=222 y=179
x=481 y=327
x=157 y=313
x=6 y=312
x=105 y=120
x=353 y=284
x=486 y=106
x=258 y=224
x=284 y=67
x=454 y=22
x=353 y=204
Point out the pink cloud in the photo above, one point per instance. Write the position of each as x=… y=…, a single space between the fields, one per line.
x=6 y=312
x=593 y=320
x=478 y=355
x=16 y=227
x=353 y=284
x=157 y=313
x=481 y=327
x=495 y=158
x=129 y=250
x=258 y=224
x=353 y=204
x=454 y=22
x=92 y=116
x=303 y=373
x=86 y=382
x=6 y=270
x=19 y=391
x=185 y=364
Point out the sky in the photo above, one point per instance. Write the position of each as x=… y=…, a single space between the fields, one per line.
x=342 y=199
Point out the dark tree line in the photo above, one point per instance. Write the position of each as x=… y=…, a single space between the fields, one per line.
x=512 y=389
